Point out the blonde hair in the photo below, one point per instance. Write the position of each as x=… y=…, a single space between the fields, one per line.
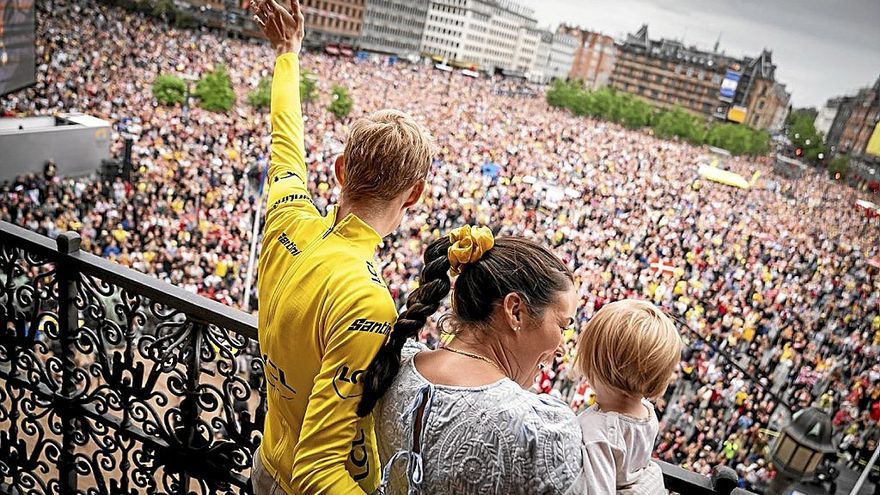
x=631 y=346
x=387 y=153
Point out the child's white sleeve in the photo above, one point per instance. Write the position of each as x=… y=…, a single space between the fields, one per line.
x=600 y=468
x=601 y=454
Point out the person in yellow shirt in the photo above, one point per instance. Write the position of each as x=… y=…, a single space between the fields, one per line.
x=324 y=308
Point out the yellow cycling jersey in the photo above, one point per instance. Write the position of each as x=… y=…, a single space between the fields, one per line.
x=324 y=313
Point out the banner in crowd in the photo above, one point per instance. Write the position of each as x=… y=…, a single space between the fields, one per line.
x=723 y=176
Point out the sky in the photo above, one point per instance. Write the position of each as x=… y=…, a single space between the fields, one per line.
x=821 y=48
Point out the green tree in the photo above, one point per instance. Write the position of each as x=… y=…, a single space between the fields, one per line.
x=341 y=103
x=678 y=122
x=308 y=86
x=214 y=90
x=164 y=9
x=760 y=142
x=603 y=104
x=635 y=112
x=563 y=93
x=840 y=165
x=184 y=20
x=261 y=97
x=803 y=134
x=169 y=90
x=739 y=139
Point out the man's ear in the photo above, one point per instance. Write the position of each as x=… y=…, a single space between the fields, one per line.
x=339 y=169
x=415 y=194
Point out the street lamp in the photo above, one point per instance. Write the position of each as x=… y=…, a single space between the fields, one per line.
x=188 y=78
x=313 y=81
x=800 y=448
x=128 y=138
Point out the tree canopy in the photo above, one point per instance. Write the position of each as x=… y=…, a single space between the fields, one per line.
x=634 y=112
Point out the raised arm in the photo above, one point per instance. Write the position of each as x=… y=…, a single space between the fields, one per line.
x=288 y=177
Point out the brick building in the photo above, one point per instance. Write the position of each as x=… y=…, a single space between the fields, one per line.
x=594 y=57
x=707 y=83
x=333 y=21
x=857 y=117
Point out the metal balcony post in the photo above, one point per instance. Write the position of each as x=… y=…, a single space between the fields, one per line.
x=68 y=321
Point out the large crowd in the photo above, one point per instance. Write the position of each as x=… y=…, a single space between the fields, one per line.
x=773 y=286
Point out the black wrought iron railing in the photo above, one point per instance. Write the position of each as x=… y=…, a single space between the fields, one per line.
x=113 y=382
x=722 y=482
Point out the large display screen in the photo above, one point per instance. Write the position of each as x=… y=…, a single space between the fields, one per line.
x=17 y=49
x=728 y=86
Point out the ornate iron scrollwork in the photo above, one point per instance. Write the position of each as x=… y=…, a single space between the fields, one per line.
x=138 y=397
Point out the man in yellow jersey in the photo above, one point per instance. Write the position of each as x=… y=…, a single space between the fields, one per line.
x=324 y=307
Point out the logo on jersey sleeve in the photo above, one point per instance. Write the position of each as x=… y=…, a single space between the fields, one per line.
x=289 y=198
x=277 y=380
x=346 y=382
x=287 y=175
x=288 y=244
x=359 y=457
x=369 y=326
x=374 y=275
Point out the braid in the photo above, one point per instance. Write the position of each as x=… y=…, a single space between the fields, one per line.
x=434 y=286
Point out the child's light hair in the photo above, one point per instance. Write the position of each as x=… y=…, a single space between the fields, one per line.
x=631 y=346
x=387 y=153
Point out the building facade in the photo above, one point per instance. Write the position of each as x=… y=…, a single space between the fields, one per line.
x=825 y=116
x=538 y=74
x=594 y=57
x=857 y=118
x=553 y=57
x=394 y=26
x=333 y=21
x=768 y=105
x=493 y=35
x=562 y=52
x=706 y=83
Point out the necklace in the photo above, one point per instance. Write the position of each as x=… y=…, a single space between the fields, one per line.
x=473 y=356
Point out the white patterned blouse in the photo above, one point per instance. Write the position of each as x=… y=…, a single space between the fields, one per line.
x=494 y=439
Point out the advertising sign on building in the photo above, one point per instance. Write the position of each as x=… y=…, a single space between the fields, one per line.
x=729 y=84
x=737 y=113
x=874 y=143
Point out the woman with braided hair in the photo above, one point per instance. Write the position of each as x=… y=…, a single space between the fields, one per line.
x=458 y=420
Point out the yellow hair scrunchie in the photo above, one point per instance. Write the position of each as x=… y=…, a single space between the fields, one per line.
x=468 y=245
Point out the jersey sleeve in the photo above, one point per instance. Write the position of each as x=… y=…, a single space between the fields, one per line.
x=337 y=450
x=288 y=176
